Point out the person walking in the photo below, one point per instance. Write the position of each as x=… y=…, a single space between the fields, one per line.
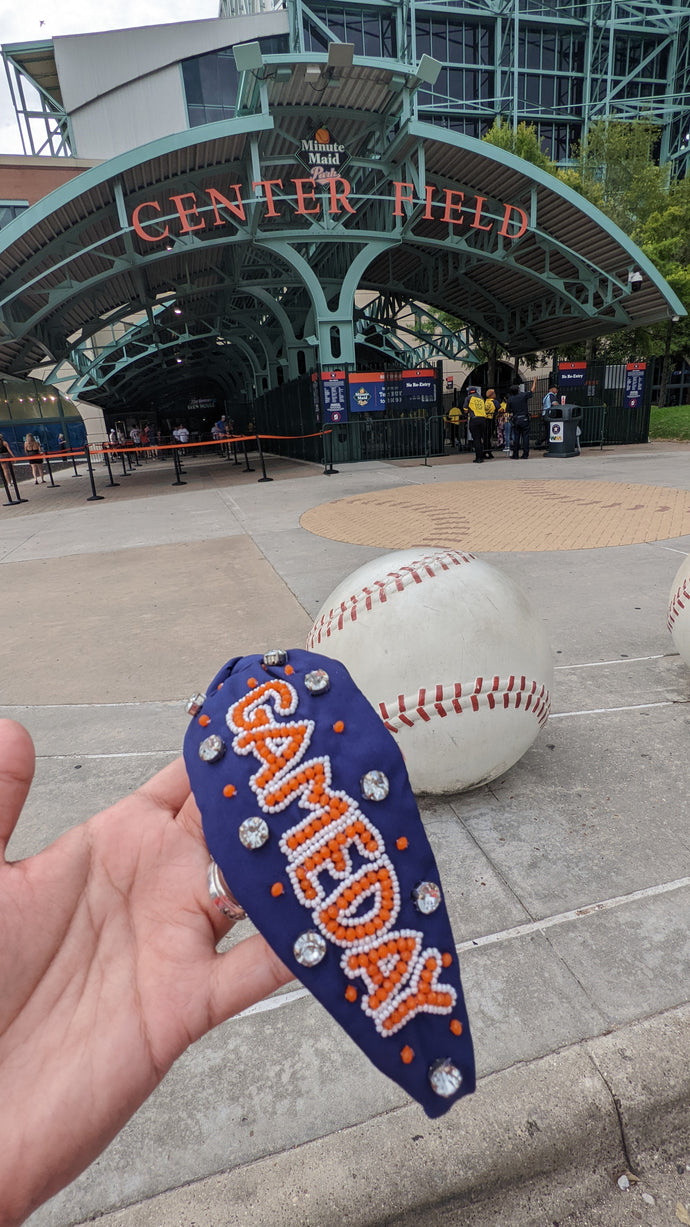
x=518 y=408
x=32 y=448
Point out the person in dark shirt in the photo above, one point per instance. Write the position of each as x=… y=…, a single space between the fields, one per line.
x=518 y=408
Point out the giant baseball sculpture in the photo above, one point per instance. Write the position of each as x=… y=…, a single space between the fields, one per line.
x=450 y=653
x=679 y=610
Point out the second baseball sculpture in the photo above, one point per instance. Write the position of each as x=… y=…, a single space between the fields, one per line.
x=450 y=653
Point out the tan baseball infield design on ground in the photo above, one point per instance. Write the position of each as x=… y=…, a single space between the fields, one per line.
x=505 y=515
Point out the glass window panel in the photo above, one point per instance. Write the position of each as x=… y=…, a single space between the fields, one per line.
x=456 y=85
x=388 y=38
x=439 y=40
x=192 y=81
x=548 y=52
x=533 y=49
x=456 y=43
x=423 y=38
x=547 y=92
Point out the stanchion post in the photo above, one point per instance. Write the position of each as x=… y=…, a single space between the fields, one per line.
x=603 y=429
x=93 y=496
x=129 y=461
x=328 y=470
x=261 y=458
x=247 y=467
x=234 y=452
x=18 y=497
x=74 y=466
x=178 y=470
x=110 y=471
x=50 y=474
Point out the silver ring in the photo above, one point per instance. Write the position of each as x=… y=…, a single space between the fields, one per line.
x=222 y=896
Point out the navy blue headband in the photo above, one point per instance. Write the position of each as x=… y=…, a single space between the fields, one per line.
x=308 y=812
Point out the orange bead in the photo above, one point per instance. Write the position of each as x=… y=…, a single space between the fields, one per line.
x=204 y=720
x=401 y=843
x=351 y=992
x=229 y=790
x=456 y=1026
x=338 y=727
x=252 y=682
x=407 y=1054
x=446 y=959
x=277 y=889
x=289 y=669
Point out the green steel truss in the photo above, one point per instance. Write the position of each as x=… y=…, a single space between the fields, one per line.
x=254 y=302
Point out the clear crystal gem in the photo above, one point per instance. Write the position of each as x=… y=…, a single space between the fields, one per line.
x=374 y=786
x=277 y=656
x=309 y=948
x=212 y=749
x=426 y=897
x=317 y=682
x=445 y=1078
x=195 y=704
x=253 y=832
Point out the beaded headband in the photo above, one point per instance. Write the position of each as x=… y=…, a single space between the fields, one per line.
x=309 y=816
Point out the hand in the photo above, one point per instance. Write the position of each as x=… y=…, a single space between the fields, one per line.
x=108 y=971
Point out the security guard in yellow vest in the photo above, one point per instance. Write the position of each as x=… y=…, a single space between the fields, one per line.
x=478 y=425
x=491 y=408
x=454 y=423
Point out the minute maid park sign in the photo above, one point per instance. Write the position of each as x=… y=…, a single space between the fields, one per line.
x=324 y=158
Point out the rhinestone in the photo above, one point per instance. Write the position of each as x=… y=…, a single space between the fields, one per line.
x=426 y=897
x=309 y=948
x=317 y=682
x=195 y=704
x=253 y=832
x=277 y=656
x=374 y=786
x=445 y=1078
x=212 y=749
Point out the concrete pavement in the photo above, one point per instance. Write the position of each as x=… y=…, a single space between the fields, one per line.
x=568 y=880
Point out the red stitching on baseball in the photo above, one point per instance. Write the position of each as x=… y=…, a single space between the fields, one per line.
x=395 y=581
x=676 y=604
x=525 y=696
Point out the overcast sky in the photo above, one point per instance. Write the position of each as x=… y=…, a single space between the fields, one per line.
x=26 y=21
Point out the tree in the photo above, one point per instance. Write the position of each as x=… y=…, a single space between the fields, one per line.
x=616 y=171
x=523 y=141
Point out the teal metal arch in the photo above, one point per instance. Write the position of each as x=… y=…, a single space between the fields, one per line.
x=63 y=281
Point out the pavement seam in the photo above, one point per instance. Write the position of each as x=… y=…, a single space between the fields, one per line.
x=531 y=1120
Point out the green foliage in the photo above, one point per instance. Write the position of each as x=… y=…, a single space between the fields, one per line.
x=616 y=170
x=672 y=422
x=523 y=141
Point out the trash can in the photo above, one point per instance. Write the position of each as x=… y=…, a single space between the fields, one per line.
x=564 y=421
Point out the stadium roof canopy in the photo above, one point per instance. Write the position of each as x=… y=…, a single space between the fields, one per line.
x=212 y=253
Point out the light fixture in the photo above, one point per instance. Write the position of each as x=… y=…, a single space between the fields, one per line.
x=177 y=310
x=635 y=280
x=248 y=57
x=426 y=73
x=340 y=55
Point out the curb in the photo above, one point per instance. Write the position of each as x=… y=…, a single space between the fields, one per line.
x=601 y=1102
